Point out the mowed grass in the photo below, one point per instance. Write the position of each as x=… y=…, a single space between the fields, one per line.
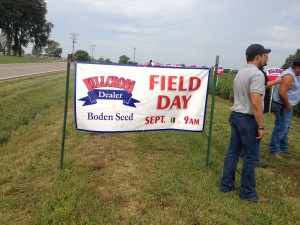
x=16 y=59
x=127 y=178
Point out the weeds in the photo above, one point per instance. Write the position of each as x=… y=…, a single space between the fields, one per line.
x=127 y=178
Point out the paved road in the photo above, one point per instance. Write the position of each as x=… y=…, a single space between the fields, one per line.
x=11 y=71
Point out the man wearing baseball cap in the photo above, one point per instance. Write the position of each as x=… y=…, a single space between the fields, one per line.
x=266 y=96
x=286 y=96
x=255 y=49
x=247 y=125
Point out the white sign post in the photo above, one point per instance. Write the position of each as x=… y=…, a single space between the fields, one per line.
x=272 y=74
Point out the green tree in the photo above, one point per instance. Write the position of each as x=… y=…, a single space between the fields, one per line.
x=23 y=22
x=82 y=56
x=290 y=59
x=123 y=59
x=36 y=50
x=102 y=60
x=108 y=61
x=53 y=49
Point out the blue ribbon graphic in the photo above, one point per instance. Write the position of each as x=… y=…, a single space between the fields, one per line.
x=92 y=97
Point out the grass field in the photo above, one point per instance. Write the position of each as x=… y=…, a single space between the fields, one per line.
x=126 y=178
x=16 y=59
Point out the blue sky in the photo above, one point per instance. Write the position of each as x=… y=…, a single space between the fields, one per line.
x=180 y=31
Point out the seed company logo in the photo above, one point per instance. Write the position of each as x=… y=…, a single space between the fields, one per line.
x=116 y=88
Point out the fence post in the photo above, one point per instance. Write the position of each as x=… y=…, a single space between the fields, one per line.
x=211 y=118
x=65 y=113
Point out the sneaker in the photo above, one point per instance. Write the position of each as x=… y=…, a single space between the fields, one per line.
x=259 y=200
x=262 y=165
x=277 y=156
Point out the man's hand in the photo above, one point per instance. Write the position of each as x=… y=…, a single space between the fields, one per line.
x=260 y=134
x=288 y=107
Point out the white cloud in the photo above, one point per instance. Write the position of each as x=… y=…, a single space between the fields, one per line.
x=185 y=31
x=284 y=37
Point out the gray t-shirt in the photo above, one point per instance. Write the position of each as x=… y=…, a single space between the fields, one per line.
x=248 y=79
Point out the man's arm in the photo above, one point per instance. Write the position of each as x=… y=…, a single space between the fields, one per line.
x=272 y=83
x=257 y=109
x=286 y=83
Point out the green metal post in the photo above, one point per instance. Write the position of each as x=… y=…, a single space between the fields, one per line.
x=65 y=113
x=212 y=111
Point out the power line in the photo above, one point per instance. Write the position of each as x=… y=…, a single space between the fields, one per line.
x=74 y=39
x=134 y=49
x=93 y=46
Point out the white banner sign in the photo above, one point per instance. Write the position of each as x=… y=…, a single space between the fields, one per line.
x=122 y=98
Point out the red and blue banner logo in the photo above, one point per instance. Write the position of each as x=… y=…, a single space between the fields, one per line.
x=103 y=94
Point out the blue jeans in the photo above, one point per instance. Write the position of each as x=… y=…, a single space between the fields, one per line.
x=244 y=131
x=279 y=139
x=258 y=160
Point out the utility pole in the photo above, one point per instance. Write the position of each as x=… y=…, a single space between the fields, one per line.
x=74 y=39
x=134 y=54
x=93 y=46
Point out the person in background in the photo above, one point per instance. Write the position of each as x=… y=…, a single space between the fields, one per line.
x=247 y=125
x=266 y=103
x=268 y=91
x=151 y=63
x=286 y=95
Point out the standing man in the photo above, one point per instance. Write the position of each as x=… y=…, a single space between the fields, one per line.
x=286 y=96
x=267 y=97
x=247 y=125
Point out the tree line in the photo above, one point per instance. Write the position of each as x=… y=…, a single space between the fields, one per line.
x=24 y=21
x=83 y=56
